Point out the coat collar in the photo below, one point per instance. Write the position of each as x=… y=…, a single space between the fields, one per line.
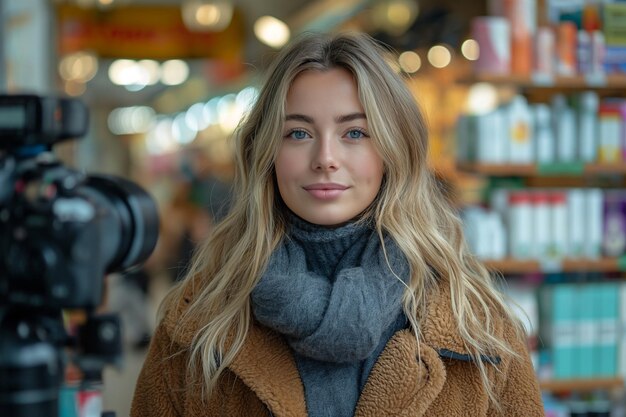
x=266 y=364
x=439 y=328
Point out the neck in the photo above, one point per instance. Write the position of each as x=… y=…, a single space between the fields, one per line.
x=324 y=246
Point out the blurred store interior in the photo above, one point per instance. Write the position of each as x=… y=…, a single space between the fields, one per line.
x=525 y=101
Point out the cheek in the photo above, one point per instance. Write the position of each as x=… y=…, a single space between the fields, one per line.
x=286 y=167
x=372 y=169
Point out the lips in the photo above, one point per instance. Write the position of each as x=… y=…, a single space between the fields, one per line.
x=325 y=191
x=325 y=186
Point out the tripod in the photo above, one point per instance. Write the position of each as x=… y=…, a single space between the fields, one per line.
x=34 y=352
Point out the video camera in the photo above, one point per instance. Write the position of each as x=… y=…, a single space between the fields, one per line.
x=61 y=232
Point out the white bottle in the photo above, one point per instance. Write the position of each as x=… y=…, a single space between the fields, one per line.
x=564 y=120
x=521 y=147
x=484 y=232
x=588 y=126
x=541 y=225
x=473 y=223
x=559 y=222
x=594 y=208
x=598 y=53
x=544 y=135
x=497 y=236
x=576 y=223
x=491 y=143
x=520 y=225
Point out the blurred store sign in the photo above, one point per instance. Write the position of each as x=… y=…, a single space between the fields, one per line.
x=141 y=32
x=326 y=15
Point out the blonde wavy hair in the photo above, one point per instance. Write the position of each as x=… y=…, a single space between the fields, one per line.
x=409 y=207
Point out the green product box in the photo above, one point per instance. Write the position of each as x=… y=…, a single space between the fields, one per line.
x=614 y=24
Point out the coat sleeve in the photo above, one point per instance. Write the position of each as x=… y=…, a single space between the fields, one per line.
x=160 y=386
x=520 y=395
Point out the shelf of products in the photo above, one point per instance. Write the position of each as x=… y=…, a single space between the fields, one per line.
x=610 y=81
x=554 y=169
x=595 y=184
x=581 y=385
x=568 y=216
x=517 y=266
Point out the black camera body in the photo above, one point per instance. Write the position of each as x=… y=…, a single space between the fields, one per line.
x=61 y=231
x=27 y=120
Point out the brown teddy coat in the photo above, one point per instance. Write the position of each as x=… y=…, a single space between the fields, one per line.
x=263 y=379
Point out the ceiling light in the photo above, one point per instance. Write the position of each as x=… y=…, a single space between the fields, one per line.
x=228 y=113
x=196 y=114
x=79 y=66
x=131 y=120
x=439 y=56
x=394 y=16
x=74 y=88
x=210 y=111
x=183 y=132
x=246 y=98
x=151 y=71
x=470 y=49
x=174 y=72
x=207 y=15
x=159 y=139
x=271 y=31
x=123 y=72
x=410 y=62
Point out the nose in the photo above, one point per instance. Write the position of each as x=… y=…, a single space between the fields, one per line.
x=325 y=155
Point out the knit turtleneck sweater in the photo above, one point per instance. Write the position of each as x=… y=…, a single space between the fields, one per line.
x=330 y=292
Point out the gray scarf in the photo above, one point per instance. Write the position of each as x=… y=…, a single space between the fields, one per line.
x=330 y=292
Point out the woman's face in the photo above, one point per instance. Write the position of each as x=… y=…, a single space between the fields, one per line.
x=328 y=170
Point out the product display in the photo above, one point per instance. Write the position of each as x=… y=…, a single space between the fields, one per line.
x=552 y=156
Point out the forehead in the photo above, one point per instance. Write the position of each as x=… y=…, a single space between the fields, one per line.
x=331 y=90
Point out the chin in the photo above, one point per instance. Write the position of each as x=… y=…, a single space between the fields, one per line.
x=326 y=220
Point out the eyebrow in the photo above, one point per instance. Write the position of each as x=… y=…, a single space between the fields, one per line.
x=340 y=119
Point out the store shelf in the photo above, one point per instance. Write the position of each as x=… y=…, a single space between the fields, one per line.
x=612 y=81
x=618 y=168
x=574 y=169
x=516 y=266
x=581 y=385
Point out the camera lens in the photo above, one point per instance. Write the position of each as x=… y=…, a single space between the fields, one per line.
x=136 y=223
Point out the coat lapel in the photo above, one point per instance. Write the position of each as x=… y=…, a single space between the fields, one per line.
x=440 y=330
x=266 y=365
x=399 y=384
x=407 y=378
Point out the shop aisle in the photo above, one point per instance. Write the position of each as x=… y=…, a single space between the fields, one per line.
x=119 y=385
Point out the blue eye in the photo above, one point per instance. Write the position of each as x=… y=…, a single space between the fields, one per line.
x=298 y=134
x=356 y=134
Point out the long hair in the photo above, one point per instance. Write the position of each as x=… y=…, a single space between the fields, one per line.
x=409 y=208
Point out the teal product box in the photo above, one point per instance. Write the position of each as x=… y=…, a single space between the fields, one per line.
x=68 y=405
x=560 y=321
x=607 y=308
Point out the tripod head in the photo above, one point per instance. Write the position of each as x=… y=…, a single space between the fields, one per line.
x=61 y=232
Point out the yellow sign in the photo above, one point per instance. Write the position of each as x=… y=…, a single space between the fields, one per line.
x=141 y=32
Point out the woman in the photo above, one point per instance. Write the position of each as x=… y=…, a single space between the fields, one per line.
x=339 y=284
